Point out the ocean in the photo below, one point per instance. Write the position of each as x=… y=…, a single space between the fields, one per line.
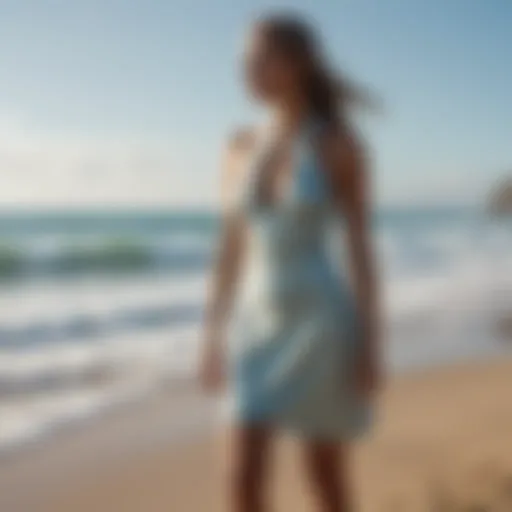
x=102 y=309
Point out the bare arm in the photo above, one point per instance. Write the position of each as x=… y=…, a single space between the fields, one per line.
x=225 y=275
x=228 y=261
x=347 y=168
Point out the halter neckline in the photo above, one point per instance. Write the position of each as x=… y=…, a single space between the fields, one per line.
x=304 y=130
x=300 y=148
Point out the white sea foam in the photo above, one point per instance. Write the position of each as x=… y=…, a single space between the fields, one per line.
x=443 y=288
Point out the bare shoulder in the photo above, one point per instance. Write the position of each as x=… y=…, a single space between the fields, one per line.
x=346 y=162
x=240 y=142
x=242 y=139
x=344 y=149
x=236 y=151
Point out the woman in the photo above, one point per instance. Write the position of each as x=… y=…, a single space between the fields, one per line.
x=302 y=356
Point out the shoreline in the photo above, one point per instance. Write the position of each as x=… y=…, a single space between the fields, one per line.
x=429 y=422
x=181 y=391
x=169 y=417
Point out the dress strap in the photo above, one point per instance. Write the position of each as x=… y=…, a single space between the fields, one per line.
x=310 y=173
x=307 y=142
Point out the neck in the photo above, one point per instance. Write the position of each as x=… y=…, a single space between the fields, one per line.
x=288 y=117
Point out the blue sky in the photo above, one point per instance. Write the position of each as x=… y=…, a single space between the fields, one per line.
x=128 y=101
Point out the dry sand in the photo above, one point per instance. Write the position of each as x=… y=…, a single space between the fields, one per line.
x=443 y=442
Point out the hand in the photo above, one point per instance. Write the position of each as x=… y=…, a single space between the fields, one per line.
x=212 y=369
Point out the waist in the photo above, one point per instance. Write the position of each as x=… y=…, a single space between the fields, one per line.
x=304 y=280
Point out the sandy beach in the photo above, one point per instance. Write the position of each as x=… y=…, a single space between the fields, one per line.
x=443 y=442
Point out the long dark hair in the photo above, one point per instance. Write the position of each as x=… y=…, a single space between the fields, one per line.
x=328 y=93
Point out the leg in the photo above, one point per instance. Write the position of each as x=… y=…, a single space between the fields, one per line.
x=249 y=465
x=326 y=465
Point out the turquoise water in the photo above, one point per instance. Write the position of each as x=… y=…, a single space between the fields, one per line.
x=35 y=244
x=97 y=308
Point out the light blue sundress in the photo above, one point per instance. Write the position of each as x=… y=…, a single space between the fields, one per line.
x=294 y=339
